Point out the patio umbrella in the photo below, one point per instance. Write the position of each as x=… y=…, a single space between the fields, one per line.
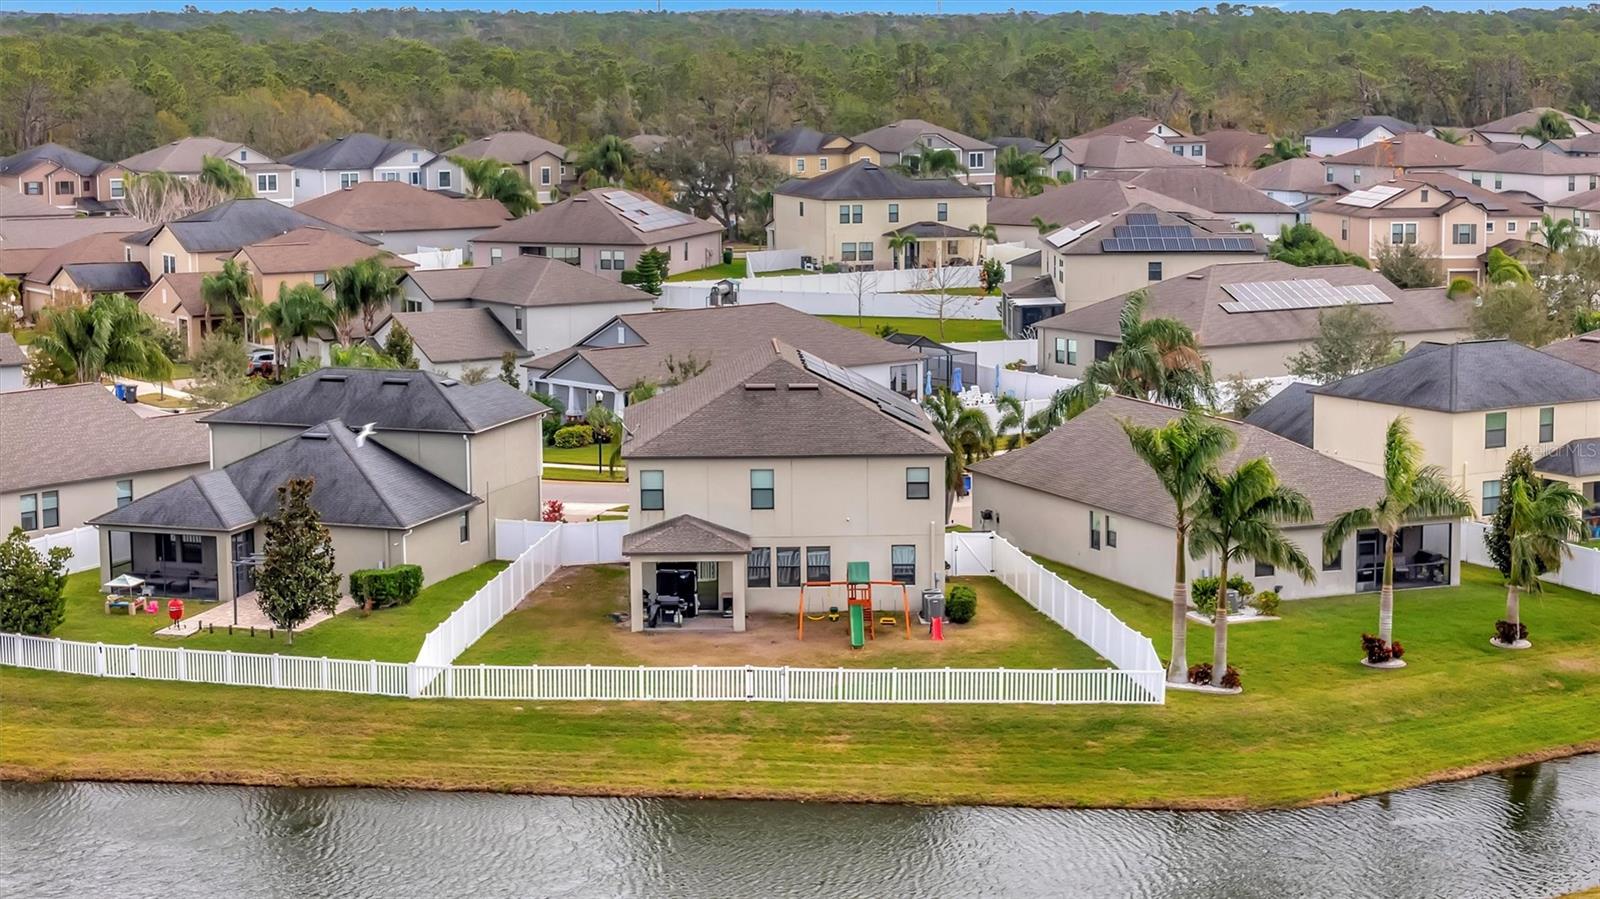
x=955 y=379
x=927 y=377
x=997 y=369
x=124 y=582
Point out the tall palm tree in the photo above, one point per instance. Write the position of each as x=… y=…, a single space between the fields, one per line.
x=1411 y=492
x=229 y=293
x=986 y=235
x=1156 y=359
x=898 y=244
x=108 y=335
x=1282 y=148
x=1541 y=522
x=1021 y=174
x=1180 y=453
x=301 y=312
x=363 y=288
x=1551 y=125
x=491 y=179
x=967 y=433
x=1503 y=268
x=1451 y=135
x=606 y=161
x=229 y=181
x=1560 y=234
x=1238 y=516
x=1011 y=418
x=1044 y=226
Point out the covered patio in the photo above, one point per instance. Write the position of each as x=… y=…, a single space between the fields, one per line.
x=187 y=565
x=937 y=245
x=702 y=564
x=1577 y=463
x=1423 y=557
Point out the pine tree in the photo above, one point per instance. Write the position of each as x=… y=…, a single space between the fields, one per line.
x=653 y=267
x=508 y=369
x=31 y=583
x=297 y=578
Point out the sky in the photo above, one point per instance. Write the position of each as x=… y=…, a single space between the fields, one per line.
x=882 y=6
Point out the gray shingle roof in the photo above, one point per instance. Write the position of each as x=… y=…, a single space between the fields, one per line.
x=353 y=151
x=459 y=335
x=59 y=435
x=866 y=180
x=1208 y=189
x=356 y=486
x=526 y=281
x=511 y=147
x=1289 y=414
x=1362 y=125
x=1089 y=460
x=684 y=534
x=109 y=277
x=1575 y=458
x=896 y=137
x=1083 y=200
x=1471 y=376
x=1581 y=349
x=226 y=227
x=10 y=352
x=798 y=140
x=66 y=157
x=395 y=400
x=589 y=219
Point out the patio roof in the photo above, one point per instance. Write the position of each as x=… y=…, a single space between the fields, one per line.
x=931 y=231
x=685 y=535
x=1574 y=459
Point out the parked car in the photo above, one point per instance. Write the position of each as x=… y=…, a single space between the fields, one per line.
x=262 y=362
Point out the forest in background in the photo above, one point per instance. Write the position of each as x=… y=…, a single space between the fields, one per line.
x=282 y=80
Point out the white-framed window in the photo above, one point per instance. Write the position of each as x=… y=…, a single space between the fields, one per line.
x=652 y=491
x=1477 y=179
x=519 y=318
x=169 y=263
x=391 y=176
x=544 y=174
x=569 y=255
x=495 y=255
x=975 y=159
x=903 y=563
x=1402 y=232
x=444 y=178
x=894 y=212
x=864 y=251
x=944 y=212
x=415 y=178
x=124 y=492
x=1356 y=178
x=822 y=163
x=799 y=163
x=1511 y=226
x=410 y=304
x=33 y=188
x=267 y=183
x=244 y=155
x=466 y=527
x=1196 y=150
x=1497 y=181
x=1572 y=182
x=349 y=179
x=847 y=252
x=1327 y=175
x=28 y=511
x=117 y=191
x=611 y=261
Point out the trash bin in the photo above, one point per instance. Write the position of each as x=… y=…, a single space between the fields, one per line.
x=966 y=483
x=727 y=256
x=130 y=393
x=932 y=605
x=116 y=390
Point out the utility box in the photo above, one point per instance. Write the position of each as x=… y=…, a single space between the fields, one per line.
x=932 y=605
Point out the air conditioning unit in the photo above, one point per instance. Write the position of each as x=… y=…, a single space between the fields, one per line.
x=724 y=293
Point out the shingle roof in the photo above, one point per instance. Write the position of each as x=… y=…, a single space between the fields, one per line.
x=1583 y=143
x=10 y=352
x=1096 y=240
x=1137 y=127
x=1574 y=459
x=589 y=219
x=1109 y=151
x=187 y=155
x=526 y=281
x=713 y=334
x=1207 y=189
x=768 y=402
x=1289 y=414
x=459 y=335
x=1413 y=150
x=684 y=534
x=896 y=137
x=1023 y=144
x=67 y=158
x=1083 y=200
x=17 y=206
x=1235 y=147
x=1363 y=125
x=383 y=206
x=395 y=400
x=1520 y=120
x=1196 y=300
x=1589 y=200
x=313 y=249
x=174 y=290
x=1529 y=161
x=227 y=226
x=866 y=180
x=109 y=277
x=355 y=486
x=353 y=151
x=1089 y=460
x=1471 y=376
x=49 y=233
x=799 y=140
x=1580 y=349
x=1037 y=287
x=512 y=147
x=58 y=435
x=1305 y=175
x=1450 y=193
x=104 y=247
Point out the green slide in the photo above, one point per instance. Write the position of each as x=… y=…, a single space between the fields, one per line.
x=858 y=627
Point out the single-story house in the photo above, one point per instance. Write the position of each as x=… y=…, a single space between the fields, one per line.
x=604 y=231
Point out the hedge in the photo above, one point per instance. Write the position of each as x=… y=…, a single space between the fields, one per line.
x=386 y=587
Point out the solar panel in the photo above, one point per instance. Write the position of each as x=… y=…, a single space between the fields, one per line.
x=1370 y=197
x=1142 y=218
x=887 y=401
x=1304 y=293
x=644 y=214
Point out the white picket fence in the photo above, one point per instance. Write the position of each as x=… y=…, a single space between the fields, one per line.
x=1580 y=571
x=84 y=543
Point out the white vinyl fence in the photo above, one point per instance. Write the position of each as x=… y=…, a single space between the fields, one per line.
x=758 y=261
x=84 y=543
x=1580 y=571
x=890 y=293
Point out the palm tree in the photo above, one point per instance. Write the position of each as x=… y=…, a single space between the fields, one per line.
x=1541 y=522
x=1044 y=226
x=229 y=181
x=301 y=312
x=1559 y=235
x=363 y=288
x=108 y=335
x=1552 y=125
x=361 y=355
x=1451 y=135
x=1411 y=491
x=931 y=163
x=1011 y=418
x=1180 y=453
x=967 y=433
x=606 y=161
x=1021 y=174
x=986 y=235
x=1156 y=359
x=1505 y=269
x=1238 y=516
x=229 y=293
x=1282 y=148
x=898 y=244
x=491 y=179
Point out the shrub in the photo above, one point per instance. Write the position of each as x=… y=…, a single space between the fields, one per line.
x=554 y=511
x=1201 y=674
x=1461 y=287
x=574 y=436
x=1377 y=652
x=1266 y=603
x=1507 y=635
x=962 y=604
x=1204 y=592
x=382 y=588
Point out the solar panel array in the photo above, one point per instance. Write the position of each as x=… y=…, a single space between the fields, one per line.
x=1144 y=234
x=1305 y=293
x=887 y=401
x=1370 y=197
x=1488 y=204
x=646 y=215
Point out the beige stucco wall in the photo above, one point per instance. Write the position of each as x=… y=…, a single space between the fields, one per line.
x=855 y=506
x=817 y=231
x=1260 y=360
x=1082 y=280
x=232 y=442
x=164 y=243
x=80 y=501
x=506 y=464
x=687 y=254
x=838 y=155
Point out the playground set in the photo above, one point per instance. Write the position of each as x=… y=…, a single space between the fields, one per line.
x=858 y=586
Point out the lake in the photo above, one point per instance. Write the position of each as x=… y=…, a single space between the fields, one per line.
x=1532 y=832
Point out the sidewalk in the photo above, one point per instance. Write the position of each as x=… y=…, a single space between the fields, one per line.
x=250 y=615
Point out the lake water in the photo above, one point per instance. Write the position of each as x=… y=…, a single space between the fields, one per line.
x=1534 y=832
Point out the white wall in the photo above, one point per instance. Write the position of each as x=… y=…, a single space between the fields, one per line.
x=11 y=378
x=835 y=294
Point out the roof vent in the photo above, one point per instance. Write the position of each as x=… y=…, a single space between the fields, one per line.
x=314 y=435
x=1195 y=276
x=760 y=386
x=449 y=382
x=803 y=385
x=338 y=378
x=394 y=380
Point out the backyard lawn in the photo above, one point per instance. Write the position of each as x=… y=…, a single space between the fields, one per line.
x=734 y=269
x=562 y=473
x=959 y=330
x=1312 y=726
x=579 y=455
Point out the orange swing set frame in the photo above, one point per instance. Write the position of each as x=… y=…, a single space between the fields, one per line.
x=857 y=593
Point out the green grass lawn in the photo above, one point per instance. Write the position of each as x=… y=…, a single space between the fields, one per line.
x=388 y=635
x=734 y=269
x=24 y=336
x=558 y=473
x=1313 y=724
x=959 y=330
x=778 y=272
x=957 y=292
x=577 y=455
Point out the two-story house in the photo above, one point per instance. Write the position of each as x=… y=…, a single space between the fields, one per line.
x=802 y=152
x=897 y=142
x=347 y=161
x=1081 y=157
x=1146 y=130
x=1356 y=132
x=604 y=231
x=1543 y=173
x=202 y=241
x=406 y=219
x=1026 y=220
x=1298 y=183
x=848 y=216
x=445 y=459
x=1508 y=130
x=542 y=162
x=1399 y=156
x=60 y=176
x=776 y=467
x=183 y=158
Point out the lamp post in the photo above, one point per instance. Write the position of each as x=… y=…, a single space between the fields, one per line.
x=599 y=449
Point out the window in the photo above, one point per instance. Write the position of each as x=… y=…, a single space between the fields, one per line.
x=1477 y=179
x=518 y=318
x=1333 y=562
x=349 y=179
x=1344 y=229
x=415 y=178
x=788 y=566
x=1511 y=226
x=1265 y=570
x=758 y=568
x=903 y=564
x=244 y=155
x=1196 y=150
x=802 y=208
x=1177 y=150
x=944 y=212
x=1547 y=424
x=975 y=160
x=844 y=213
x=33 y=188
x=544 y=174
x=822 y=163
x=444 y=178
x=466 y=526
x=124 y=492
x=1464 y=234
x=391 y=176
x=1488 y=226
x=64 y=188
x=1111 y=534
x=410 y=305
x=1152 y=271
x=652 y=491
x=495 y=255
x=819 y=561
x=761 y=489
x=1327 y=175
x=169 y=263
x=800 y=163
x=116 y=189
x=1094 y=529
x=847 y=252
x=1572 y=182
x=569 y=255
x=1491 y=497
x=917 y=483
x=1356 y=178
x=1424 y=195
x=855 y=214
x=1061 y=351
x=1072 y=351
x=1497 y=184
x=191 y=549
x=864 y=251
x=894 y=212
x=686 y=251
x=1494 y=430
x=1402 y=232
x=28 y=504
x=415 y=156
x=902 y=378
x=267 y=183
x=611 y=260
